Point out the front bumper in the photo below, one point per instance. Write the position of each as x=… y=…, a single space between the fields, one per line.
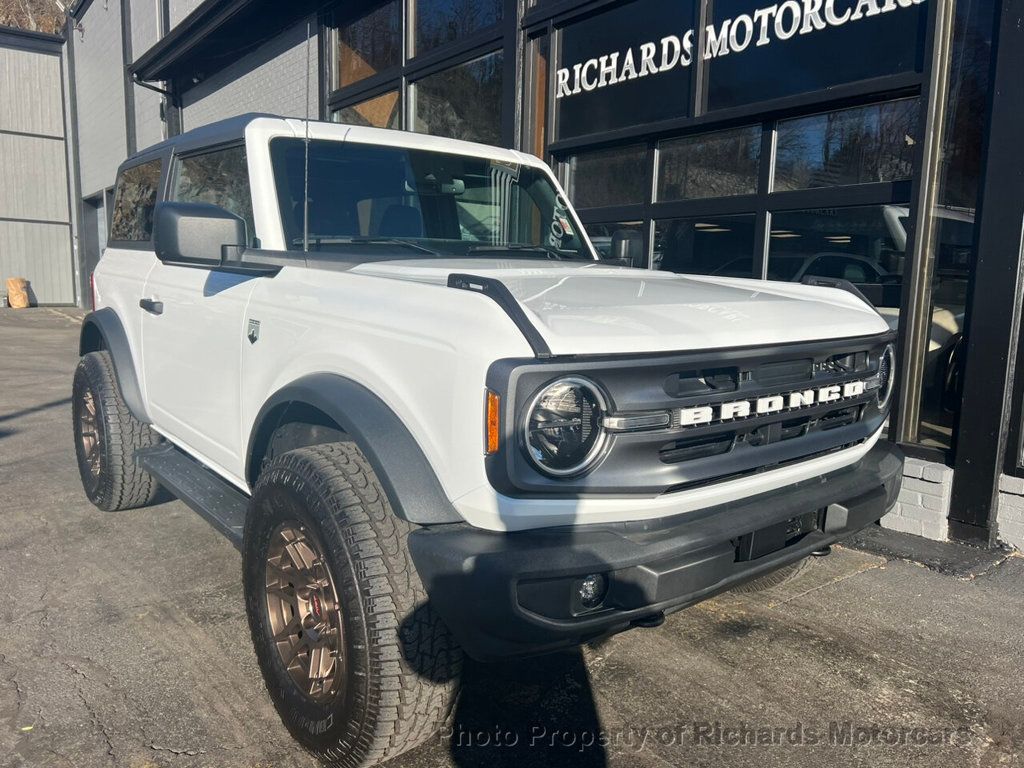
x=509 y=594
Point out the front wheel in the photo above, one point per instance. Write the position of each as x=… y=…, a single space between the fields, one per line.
x=359 y=666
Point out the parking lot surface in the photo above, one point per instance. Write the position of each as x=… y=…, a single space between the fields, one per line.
x=124 y=643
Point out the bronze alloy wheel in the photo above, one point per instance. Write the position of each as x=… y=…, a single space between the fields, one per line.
x=90 y=434
x=305 y=617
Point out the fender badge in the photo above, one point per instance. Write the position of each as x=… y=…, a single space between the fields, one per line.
x=254 y=331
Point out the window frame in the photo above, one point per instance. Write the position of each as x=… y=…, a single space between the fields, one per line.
x=500 y=37
x=161 y=193
x=174 y=168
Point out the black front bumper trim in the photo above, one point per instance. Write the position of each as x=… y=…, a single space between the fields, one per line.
x=508 y=594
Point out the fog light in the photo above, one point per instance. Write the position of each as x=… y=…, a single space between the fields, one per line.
x=592 y=590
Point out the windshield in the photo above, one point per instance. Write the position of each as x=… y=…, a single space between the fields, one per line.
x=369 y=201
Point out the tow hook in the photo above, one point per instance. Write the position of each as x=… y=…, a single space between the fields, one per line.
x=650 y=622
x=823 y=552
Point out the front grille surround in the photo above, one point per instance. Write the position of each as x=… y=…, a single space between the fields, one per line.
x=634 y=463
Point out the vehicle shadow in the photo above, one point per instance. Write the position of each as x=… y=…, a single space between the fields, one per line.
x=520 y=711
x=526 y=712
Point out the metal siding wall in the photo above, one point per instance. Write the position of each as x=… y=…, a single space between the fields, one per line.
x=99 y=80
x=182 y=8
x=41 y=253
x=30 y=88
x=149 y=128
x=270 y=79
x=34 y=181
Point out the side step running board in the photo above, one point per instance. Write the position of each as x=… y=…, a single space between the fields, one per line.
x=215 y=499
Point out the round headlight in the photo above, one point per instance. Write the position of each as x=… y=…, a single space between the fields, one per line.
x=886 y=377
x=563 y=429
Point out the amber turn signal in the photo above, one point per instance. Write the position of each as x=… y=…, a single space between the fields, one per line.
x=493 y=422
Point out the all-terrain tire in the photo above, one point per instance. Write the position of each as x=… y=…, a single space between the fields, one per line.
x=110 y=476
x=401 y=667
x=783 y=575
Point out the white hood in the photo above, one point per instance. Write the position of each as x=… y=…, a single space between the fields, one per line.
x=596 y=309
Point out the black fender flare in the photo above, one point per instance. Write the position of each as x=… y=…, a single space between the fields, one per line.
x=412 y=486
x=102 y=329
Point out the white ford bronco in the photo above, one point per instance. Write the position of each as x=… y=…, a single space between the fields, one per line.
x=392 y=369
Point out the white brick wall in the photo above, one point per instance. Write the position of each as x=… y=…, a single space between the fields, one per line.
x=270 y=79
x=923 y=502
x=1010 y=515
x=99 y=83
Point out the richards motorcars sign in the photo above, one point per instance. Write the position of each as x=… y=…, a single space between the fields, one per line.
x=755 y=52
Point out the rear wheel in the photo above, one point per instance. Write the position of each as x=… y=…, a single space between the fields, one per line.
x=106 y=438
x=358 y=665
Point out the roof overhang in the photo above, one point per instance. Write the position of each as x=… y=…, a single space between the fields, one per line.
x=216 y=34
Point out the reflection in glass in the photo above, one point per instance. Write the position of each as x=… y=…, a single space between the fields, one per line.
x=368 y=45
x=863 y=244
x=710 y=165
x=219 y=178
x=463 y=102
x=535 y=104
x=379 y=112
x=616 y=176
x=851 y=146
x=601 y=234
x=707 y=245
x=443 y=21
x=952 y=236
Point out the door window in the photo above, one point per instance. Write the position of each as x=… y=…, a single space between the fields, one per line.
x=220 y=178
x=132 y=216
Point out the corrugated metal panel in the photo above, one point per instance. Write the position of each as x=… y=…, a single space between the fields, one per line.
x=30 y=94
x=41 y=253
x=34 y=181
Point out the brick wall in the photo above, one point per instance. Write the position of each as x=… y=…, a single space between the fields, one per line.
x=1010 y=515
x=270 y=79
x=923 y=501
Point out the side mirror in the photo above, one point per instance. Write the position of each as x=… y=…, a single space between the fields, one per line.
x=197 y=234
x=628 y=248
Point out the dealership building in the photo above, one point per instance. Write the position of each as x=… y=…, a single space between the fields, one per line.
x=875 y=141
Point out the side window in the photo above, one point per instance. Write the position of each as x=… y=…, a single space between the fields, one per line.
x=134 y=201
x=220 y=178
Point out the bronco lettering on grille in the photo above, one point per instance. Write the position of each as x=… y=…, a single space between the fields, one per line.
x=768 y=404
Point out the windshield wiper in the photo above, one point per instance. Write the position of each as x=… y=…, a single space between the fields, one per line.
x=317 y=241
x=519 y=248
x=396 y=241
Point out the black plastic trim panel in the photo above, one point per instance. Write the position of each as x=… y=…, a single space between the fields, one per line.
x=106 y=325
x=632 y=463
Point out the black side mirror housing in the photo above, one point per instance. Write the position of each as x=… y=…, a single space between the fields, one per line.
x=628 y=248
x=197 y=234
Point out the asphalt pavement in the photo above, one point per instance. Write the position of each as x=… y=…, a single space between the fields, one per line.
x=124 y=643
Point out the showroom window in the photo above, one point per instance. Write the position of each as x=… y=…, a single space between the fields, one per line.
x=605 y=177
x=706 y=245
x=444 y=21
x=377 y=112
x=434 y=66
x=463 y=102
x=369 y=45
x=709 y=165
x=850 y=146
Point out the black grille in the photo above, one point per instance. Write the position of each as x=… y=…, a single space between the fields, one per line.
x=654 y=461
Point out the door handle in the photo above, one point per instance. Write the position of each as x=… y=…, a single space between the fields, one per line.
x=152 y=306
